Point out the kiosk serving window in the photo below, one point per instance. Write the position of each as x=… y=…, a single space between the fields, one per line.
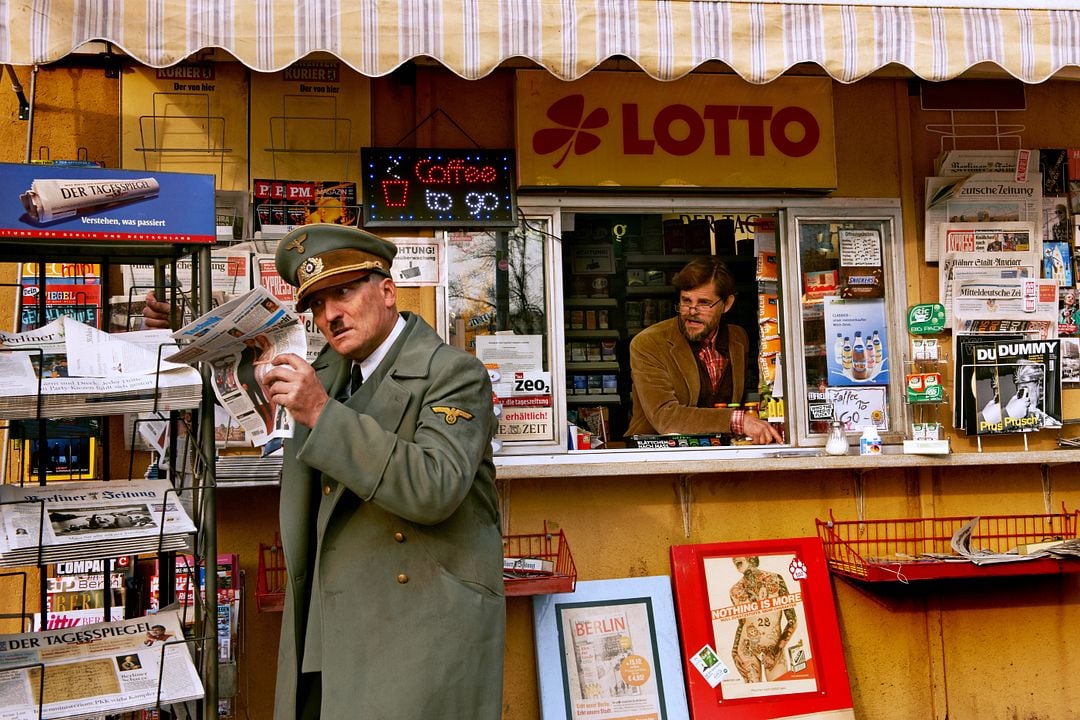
x=553 y=305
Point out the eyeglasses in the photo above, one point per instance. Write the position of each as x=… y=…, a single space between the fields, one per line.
x=700 y=306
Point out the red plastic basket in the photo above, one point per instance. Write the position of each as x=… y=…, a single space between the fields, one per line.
x=893 y=550
x=270 y=584
x=539 y=546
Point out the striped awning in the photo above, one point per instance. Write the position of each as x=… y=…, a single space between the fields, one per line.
x=666 y=38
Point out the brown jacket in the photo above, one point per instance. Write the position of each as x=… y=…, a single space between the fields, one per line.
x=666 y=384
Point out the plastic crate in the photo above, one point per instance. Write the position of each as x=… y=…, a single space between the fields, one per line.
x=270 y=584
x=543 y=546
x=891 y=550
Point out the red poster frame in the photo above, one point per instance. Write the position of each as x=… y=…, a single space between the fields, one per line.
x=807 y=579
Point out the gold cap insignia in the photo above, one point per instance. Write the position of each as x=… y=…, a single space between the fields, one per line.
x=452 y=414
x=297 y=243
x=310 y=268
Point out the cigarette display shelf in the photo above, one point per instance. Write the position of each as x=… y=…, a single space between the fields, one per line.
x=593 y=399
x=607 y=302
x=900 y=549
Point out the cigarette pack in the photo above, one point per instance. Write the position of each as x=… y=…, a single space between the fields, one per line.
x=528 y=565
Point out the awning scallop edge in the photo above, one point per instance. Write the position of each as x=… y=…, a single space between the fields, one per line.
x=666 y=38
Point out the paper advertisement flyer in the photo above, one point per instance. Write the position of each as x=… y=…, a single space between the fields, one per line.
x=860 y=355
x=759 y=623
x=611 y=661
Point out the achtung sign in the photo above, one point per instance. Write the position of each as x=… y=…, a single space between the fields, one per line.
x=416 y=263
x=709 y=131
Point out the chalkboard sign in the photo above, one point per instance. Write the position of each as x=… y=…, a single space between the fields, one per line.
x=438 y=187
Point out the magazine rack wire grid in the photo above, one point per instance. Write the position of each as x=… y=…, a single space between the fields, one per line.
x=270 y=583
x=894 y=550
x=543 y=546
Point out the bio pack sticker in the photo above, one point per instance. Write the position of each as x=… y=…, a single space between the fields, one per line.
x=709 y=664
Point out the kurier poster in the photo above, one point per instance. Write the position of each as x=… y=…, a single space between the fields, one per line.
x=858 y=349
x=190 y=118
x=760 y=626
x=310 y=121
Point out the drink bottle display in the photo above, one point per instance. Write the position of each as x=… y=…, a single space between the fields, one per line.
x=858 y=357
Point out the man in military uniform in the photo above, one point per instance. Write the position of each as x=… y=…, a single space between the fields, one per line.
x=389 y=519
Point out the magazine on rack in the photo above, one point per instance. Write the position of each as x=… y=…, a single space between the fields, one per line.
x=1010 y=386
x=68 y=369
x=93 y=670
x=982 y=198
x=238 y=339
x=89 y=520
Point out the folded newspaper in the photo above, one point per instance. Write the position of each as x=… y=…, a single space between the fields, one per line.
x=238 y=340
x=94 y=670
x=90 y=520
x=68 y=369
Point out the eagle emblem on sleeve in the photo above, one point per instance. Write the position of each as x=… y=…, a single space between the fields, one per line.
x=451 y=414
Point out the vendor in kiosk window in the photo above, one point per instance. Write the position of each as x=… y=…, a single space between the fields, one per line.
x=684 y=366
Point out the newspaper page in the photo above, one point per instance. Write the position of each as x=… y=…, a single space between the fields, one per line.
x=92 y=670
x=239 y=339
x=981 y=198
x=266 y=275
x=87 y=520
x=68 y=369
x=983 y=251
x=955 y=163
x=1013 y=299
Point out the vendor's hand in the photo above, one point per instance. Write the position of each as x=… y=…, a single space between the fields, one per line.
x=292 y=383
x=156 y=313
x=761 y=432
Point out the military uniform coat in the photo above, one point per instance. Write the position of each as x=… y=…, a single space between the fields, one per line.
x=389 y=521
x=666 y=384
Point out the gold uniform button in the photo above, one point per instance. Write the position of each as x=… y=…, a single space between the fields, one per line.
x=403 y=578
x=326 y=490
x=399 y=537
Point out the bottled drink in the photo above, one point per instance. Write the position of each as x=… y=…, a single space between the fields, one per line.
x=838 y=349
x=879 y=352
x=858 y=357
x=846 y=352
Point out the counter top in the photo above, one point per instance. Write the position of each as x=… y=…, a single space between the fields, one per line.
x=705 y=461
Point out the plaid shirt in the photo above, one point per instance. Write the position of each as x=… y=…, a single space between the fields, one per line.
x=715 y=363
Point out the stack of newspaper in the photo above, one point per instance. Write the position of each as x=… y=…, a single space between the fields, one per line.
x=97 y=670
x=249 y=469
x=87 y=520
x=68 y=369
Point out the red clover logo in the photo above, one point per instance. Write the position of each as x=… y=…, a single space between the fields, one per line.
x=569 y=112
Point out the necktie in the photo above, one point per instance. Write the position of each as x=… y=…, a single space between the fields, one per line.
x=356 y=379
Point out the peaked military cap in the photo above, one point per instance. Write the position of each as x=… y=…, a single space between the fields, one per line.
x=312 y=257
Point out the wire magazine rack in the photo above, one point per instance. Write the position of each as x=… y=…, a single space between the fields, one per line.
x=545 y=547
x=895 y=550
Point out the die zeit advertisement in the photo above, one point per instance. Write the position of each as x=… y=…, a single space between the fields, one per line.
x=614 y=129
x=107 y=205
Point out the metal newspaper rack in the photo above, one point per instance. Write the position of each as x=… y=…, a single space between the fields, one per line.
x=899 y=550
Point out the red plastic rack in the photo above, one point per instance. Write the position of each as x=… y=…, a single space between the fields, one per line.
x=539 y=546
x=270 y=584
x=892 y=550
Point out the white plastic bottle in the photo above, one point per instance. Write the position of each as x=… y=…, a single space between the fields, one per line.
x=870 y=442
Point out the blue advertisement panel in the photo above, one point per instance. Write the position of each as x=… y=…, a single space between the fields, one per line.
x=105 y=204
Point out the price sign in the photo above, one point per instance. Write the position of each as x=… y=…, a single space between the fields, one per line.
x=438 y=187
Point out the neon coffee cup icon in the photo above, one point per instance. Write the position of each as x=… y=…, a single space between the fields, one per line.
x=395 y=193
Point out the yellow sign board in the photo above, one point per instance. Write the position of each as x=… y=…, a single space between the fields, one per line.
x=309 y=121
x=708 y=131
x=190 y=117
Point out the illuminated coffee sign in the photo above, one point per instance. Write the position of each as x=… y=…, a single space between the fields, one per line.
x=707 y=131
x=438 y=187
